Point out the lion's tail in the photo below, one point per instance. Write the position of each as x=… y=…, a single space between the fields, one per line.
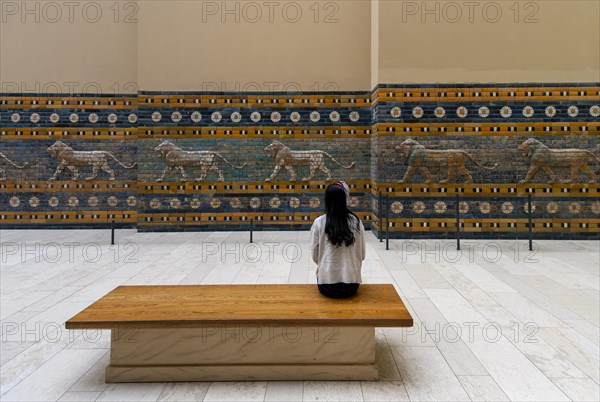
x=24 y=165
x=134 y=164
x=470 y=157
x=350 y=166
x=231 y=164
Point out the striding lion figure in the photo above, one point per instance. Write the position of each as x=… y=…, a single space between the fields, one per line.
x=177 y=158
x=9 y=162
x=540 y=156
x=71 y=159
x=288 y=159
x=421 y=158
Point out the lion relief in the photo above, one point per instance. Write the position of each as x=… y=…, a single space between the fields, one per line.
x=288 y=159
x=421 y=159
x=9 y=162
x=540 y=156
x=178 y=159
x=71 y=159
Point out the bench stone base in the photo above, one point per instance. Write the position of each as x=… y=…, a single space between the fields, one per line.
x=242 y=353
x=294 y=372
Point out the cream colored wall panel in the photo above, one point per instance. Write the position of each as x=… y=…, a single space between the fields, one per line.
x=448 y=41
x=248 y=46
x=79 y=47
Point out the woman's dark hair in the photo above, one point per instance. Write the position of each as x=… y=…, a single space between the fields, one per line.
x=337 y=223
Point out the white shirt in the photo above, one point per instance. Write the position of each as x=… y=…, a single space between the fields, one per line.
x=337 y=263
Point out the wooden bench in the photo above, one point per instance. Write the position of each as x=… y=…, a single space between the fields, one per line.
x=241 y=332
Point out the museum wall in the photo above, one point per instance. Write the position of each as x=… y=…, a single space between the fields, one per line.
x=480 y=79
x=249 y=46
x=344 y=83
x=488 y=41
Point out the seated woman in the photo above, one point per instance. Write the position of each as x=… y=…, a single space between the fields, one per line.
x=338 y=245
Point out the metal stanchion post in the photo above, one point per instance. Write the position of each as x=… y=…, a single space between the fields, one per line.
x=380 y=234
x=251 y=229
x=529 y=210
x=457 y=222
x=387 y=222
x=112 y=232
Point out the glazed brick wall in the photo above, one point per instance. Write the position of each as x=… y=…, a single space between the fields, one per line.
x=358 y=127
x=259 y=164
x=490 y=122
x=512 y=165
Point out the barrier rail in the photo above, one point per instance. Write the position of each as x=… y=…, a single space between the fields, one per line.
x=457 y=199
x=465 y=224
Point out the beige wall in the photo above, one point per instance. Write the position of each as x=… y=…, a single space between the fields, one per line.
x=187 y=45
x=562 y=46
x=352 y=45
x=374 y=42
x=86 y=48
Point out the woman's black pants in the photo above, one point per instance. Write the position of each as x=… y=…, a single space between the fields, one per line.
x=339 y=290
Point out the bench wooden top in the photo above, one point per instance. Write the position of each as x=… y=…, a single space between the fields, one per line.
x=198 y=305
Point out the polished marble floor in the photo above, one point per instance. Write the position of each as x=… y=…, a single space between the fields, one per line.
x=493 y=322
